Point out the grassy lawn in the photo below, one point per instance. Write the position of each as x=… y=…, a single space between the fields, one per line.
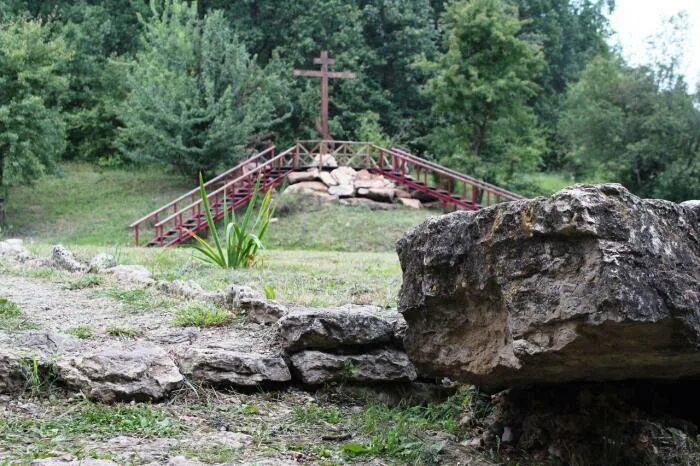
x=84 y=204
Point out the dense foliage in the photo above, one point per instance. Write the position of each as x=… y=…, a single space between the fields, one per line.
x=502 y=89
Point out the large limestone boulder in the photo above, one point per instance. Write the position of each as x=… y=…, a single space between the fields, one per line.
x=333 y=329
x=382 y=365
x=298 y=177
x=592 y=283
x=217 y=365
x=121 y=371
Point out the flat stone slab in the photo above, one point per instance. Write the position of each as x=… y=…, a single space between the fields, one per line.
x=221 y=366
x=383 y=365
x=333 y=329
x=122 y=371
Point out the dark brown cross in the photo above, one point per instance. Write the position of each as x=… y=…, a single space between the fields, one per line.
x=324 y=74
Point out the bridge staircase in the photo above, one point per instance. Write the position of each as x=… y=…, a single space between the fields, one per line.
x=172 y=223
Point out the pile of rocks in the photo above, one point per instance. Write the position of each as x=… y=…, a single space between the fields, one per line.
x=351 y=187
x=345 y=345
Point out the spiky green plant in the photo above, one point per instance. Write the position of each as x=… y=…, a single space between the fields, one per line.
x=243 y=237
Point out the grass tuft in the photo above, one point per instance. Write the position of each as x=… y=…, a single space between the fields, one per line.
x=124 y=331
x=202 y=315
x=83 y=332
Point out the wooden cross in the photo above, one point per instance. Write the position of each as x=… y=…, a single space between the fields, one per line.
x=324 y=74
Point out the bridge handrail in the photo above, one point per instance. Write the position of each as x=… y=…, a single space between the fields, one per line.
x=207 y=184
x=256 y=170
x=462 y=177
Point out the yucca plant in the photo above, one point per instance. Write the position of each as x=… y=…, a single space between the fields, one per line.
x=243 y=237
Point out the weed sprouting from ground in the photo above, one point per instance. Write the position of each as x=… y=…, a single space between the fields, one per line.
x=202 y=315
x=139 y=299
x=314 y=414
x=11 y=316
x=86 y=281
x=124 y=331
x=402 y=432
x=83 y=332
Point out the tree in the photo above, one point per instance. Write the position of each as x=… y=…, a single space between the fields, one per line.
x=624 y=125
x=481 y=87
x=32 y=131
x=571 y=33
x=196 y=97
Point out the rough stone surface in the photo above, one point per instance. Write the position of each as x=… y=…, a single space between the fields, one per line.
x=14 y=249
x=327 y=179
x=379 y=194
x=412 y=203
x=297 y=177
x=190 y=290
x=333 y=329
x=63 y=258
x=306 y=187
x=101 y=262
x=344 y=175
x=254 y=305
x=130 y=275
x=368 y=203
x=382 y=365
x=370 y=183
x=121 y=371
x=221 y=366
x=342 y=190
x=12 y=375
x=592 y=283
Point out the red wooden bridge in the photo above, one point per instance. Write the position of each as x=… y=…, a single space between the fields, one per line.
x=169 y=225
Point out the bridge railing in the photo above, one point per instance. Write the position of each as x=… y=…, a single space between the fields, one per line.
x=246 y=182
x=153 y=218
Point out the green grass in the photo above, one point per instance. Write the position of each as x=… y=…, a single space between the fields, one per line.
x=202 y=315
x=83 y=332
x=84 y=204
x=124 y=331
x=11 y=316
x=314 y=414
x=343 y=229
x=313 y=278
x=86 y=281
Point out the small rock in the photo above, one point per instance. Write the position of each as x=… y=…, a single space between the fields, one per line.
x=306 y=187
x=14 y=249
x=342 y=190
x=327 y=179
x=220 y=366
x=131 y=274
x=412 y=203
x=368 y=203
x=101 y=262
x=383 y=365
x=344 y=175
x=256 y=307
x=297 y=177
x=324 y=160
x=124 y=371
x=369 y=183
x=63 y=258
x=190 y=290
x=380 y=194
x=402 y=194
x=12 y=376
x=333 y=329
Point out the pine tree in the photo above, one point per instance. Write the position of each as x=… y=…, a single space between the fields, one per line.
x=196 y=97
